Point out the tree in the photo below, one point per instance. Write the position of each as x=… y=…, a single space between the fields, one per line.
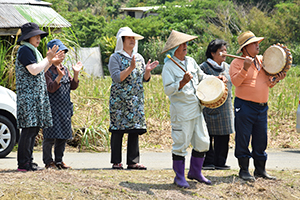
x=262 y=4
x=86 y=26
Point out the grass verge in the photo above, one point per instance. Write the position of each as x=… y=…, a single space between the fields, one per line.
x=149 y=184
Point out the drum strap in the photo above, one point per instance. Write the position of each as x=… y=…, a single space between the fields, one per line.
x=255 y=63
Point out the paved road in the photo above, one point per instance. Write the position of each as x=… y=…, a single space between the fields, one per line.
x=277 y=159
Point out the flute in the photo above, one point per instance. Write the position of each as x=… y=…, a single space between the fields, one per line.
x=233 y=56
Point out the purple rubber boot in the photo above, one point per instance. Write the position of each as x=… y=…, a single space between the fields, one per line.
x=179 y=180
x=195 y=170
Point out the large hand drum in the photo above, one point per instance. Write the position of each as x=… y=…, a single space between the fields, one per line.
x=277 y=58
x=212 y=92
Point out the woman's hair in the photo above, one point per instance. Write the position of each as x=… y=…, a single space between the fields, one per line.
x=213 y=47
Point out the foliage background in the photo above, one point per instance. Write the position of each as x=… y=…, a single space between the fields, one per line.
x=93 y=21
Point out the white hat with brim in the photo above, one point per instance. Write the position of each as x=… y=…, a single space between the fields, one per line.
x=175 y=39
x=247 y=38
x=126 y=31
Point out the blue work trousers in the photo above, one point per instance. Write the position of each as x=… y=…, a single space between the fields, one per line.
x=251 y=122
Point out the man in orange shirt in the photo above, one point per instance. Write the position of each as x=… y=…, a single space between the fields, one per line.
x=250 y=106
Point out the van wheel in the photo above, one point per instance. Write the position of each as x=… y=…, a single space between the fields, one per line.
x=7 y=136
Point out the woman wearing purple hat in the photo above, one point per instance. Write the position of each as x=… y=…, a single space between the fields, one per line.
x=59 y=85
x=33 y=107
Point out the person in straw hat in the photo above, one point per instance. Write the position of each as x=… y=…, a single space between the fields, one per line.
x=33 y=106
x=126 y=104
x=188 y=125
x=250 y=106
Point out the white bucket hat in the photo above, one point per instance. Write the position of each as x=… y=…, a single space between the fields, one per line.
x=126 y=31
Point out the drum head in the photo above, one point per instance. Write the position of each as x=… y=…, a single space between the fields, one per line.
x=210 y=90
x=274 y=59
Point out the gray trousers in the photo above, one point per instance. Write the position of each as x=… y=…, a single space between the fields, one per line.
x=59 y=148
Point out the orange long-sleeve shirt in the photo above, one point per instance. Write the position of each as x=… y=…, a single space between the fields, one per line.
x=252 y=85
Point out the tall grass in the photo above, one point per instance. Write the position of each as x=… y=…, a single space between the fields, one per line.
x=283 y=103
x=7 y=69
x=91 y=113
x=285 y=95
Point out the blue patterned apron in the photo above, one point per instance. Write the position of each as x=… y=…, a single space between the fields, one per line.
x=61 y=109
x=33 y=106
x=126 y=103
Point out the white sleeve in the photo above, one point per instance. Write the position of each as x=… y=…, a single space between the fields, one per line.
x=36 y=68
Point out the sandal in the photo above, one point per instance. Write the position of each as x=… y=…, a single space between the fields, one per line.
x=117 y=166
x=137 y=166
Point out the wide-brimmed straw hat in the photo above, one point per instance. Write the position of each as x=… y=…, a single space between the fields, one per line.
x=246 y=38
x=29 y=30
x=177 y=38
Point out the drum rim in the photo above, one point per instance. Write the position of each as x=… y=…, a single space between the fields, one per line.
x=289 y=60
x=268 y=68
x=219 y=95
x=218 y=103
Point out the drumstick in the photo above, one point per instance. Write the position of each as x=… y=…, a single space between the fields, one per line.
x=175 y=62
x=233 y=56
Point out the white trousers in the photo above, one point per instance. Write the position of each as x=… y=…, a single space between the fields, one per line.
x=193 y=132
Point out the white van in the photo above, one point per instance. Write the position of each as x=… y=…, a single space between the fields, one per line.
x=9 y=133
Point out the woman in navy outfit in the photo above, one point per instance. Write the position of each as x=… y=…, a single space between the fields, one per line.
x=59 y=85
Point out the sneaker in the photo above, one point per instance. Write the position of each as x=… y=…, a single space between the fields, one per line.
x=224 y=167
x=137 y=166
x=36 y=167
x=25 y=168
x=51 y=165
x=208 y=167
x=117 y=166
x=62 y=165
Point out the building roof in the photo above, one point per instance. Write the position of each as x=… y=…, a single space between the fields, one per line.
x=143 y=9
x=15 y=13
x=30 y=2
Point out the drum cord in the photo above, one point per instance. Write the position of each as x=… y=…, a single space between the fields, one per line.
x=255 y=63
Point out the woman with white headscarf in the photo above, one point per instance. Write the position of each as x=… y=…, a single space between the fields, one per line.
x=126 y=104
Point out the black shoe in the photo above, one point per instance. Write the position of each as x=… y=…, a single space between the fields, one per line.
x=208 y=167
x=260 y=170
x=244 y=172
x=26 y=168
x=224 y=167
